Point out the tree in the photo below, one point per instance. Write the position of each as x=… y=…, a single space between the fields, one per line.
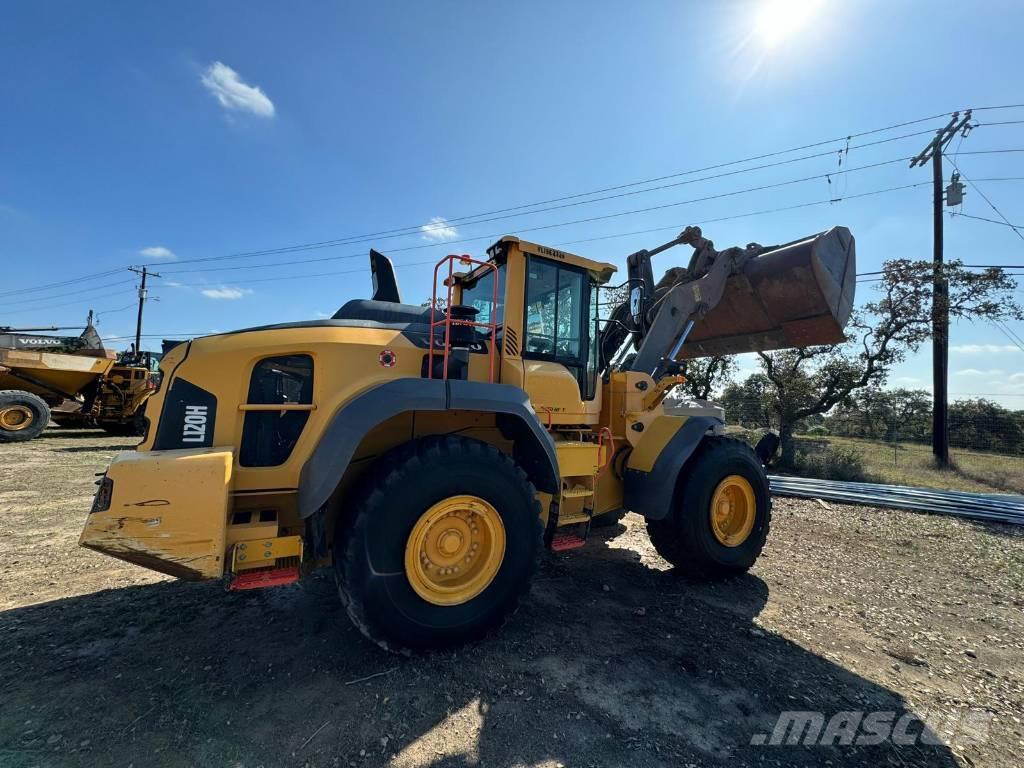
x=811 y=381
x=706 y=375
x=986 y=426
x=883 y=414
x=746 y=403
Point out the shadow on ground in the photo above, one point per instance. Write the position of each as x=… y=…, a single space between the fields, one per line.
x=609 y=663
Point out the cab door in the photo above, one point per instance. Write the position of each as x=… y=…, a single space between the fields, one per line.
x=558 y=352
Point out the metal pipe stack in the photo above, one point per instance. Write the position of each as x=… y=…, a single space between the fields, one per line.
x=991 y=507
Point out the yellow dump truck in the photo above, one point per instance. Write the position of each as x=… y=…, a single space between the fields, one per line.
x=38 y=373
x=430 y=454
x=73 y=381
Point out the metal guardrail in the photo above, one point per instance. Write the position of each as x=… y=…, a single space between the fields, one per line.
x=991 y=507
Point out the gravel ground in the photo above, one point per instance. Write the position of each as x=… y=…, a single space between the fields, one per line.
x=614 y=659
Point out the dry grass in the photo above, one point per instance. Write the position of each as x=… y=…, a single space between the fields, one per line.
x=912 y=464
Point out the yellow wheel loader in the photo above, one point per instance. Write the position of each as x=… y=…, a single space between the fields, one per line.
x=429 y=454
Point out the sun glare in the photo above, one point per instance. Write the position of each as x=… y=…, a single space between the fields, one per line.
x=779 y=20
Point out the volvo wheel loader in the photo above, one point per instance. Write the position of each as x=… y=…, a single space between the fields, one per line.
x=429 y=454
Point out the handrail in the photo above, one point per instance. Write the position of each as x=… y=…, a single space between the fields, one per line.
x=447 y=320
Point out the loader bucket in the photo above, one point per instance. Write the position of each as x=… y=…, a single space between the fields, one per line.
x=795 y=295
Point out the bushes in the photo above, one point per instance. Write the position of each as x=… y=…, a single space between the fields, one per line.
x=818 y=430
x=831 y=463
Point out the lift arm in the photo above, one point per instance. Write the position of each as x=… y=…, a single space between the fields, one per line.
x=740 y=299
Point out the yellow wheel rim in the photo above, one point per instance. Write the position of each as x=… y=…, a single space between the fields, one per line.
x=16 y=417
x=455 y=550
x=733 y=510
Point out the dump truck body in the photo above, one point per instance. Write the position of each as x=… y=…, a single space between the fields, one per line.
x=52 y=376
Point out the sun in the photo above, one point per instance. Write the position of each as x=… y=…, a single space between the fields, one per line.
x=779 y=20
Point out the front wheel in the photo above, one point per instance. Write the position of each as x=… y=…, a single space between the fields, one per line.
x=23 y=416
x=723 y=512
x=443 y=545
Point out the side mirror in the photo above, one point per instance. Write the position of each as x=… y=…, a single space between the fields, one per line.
x=635 y=304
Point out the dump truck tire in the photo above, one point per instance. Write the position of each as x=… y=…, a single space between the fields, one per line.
x=722 y=515
x=444 y=541
x=23 y=416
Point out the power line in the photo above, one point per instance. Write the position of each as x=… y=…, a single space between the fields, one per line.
x=521 y=209
x=1006 y=332
x=584 y=194
x=417 y=228
x=761 y=212
x=587 y=220
x=72 y=281
x=69 y=293
x=990 y=203
x=982 y=218
x=31 y=310
x=648 y=209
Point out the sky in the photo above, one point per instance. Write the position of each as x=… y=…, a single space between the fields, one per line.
x=166 y=134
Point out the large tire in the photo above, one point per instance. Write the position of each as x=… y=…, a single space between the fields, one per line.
x=23 y=416
x=608 y=519
x=384 y=591
x=688 y=537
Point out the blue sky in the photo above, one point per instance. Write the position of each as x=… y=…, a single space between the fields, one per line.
x=164 y=133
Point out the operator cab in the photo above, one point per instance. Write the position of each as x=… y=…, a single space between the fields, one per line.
x=546 y=314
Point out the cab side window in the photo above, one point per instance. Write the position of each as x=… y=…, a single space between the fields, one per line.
x=480 y=295
x=268 y=437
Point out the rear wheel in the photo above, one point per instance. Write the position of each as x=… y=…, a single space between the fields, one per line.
x=23 y=416
x=723 y=515
x=443 y=545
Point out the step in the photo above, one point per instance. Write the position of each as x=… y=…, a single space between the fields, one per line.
x=264 y=577
x=564 y=541
x=577 y=492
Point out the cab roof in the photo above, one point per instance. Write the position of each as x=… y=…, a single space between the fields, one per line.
x=599 y=270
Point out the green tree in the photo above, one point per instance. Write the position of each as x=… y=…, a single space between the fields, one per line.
x=986 y=426
x=883 y=414
x=706 y=376
x=746 y=403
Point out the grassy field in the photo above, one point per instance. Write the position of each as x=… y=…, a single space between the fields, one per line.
x=911 y=464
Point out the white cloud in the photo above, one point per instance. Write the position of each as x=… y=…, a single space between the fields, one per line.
x=157 y=252
x=1017 y=377
x=233 y=94
x=989 y=349
x=225 y=292
x=439 y=230
x=977 y=372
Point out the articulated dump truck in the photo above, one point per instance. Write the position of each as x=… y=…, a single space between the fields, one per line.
x=73 y=381
x=429 y=454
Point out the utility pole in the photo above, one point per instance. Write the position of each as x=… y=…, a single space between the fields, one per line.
x=940 y=290
x=142 y=302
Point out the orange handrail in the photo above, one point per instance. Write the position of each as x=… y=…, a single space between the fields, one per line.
x=447 y=320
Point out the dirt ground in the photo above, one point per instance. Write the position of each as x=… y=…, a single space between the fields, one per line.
x=614 y=660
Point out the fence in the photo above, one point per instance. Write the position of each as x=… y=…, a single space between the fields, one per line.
x=893 y=444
